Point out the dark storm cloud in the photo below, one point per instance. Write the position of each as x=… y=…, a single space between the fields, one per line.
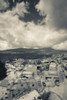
x=59 y=14
x=56 y=11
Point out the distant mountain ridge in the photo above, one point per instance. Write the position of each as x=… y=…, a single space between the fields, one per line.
x=27 y=50
x=26 y=53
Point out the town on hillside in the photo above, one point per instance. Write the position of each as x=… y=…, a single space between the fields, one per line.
x=34 y=79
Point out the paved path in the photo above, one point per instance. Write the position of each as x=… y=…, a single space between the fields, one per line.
x=65 y=90
x=61 y=90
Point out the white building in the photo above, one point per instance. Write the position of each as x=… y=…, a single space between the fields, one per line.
x=30 y=67
x=27 y=74
x=53 y=69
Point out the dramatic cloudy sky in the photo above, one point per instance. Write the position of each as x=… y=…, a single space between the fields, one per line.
x=33 y=24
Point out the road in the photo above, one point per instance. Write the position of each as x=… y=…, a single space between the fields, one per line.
x=61 y=90
x=65 y=90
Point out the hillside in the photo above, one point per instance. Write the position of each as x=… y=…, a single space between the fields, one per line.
x=28 y=53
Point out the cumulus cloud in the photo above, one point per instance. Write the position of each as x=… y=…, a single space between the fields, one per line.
x=3 y=5
x=56 y=20
x=56 y=11
x=3 y=45
x=20 y=9
x=61 y=46
x=15 y=33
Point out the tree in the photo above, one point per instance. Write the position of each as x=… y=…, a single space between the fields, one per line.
x=2 y=71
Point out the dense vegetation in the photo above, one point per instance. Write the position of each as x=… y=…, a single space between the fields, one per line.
x=2 y=71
